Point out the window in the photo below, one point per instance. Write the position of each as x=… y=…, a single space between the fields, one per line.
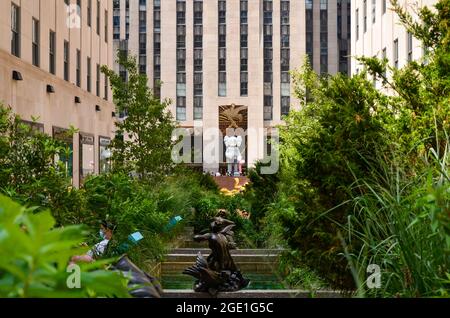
x=198 y=36
x=98 y=17
x=52 y=55
x=15 y=30
x=78 y=68
x=244 y=83
x=89 y=13
x=66 y=60
x=63 y=135
x=384 y=57
x=35 y=40
x=222 y=84
x=309 y=30
x=268 y=107
x=357 y=24
x=267 y=88
x=309 y=4
x=222 y=11
x=198 y=12
x=88 y=79
x=285 y=56
x=106 y=26
x=374 y=10
x=323 y=36
x=410 y=47
x=384 y=6
x=198 y=107
x=104 y=154
x=97 y=83
x=86 y=151
x=396 y=53
x=285 y=105
x=181 y=108
x=106 y=88
x=285 y=89
x=365 y=16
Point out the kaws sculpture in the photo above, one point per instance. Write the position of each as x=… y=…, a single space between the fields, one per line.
x=233 y=153
x=218 y=273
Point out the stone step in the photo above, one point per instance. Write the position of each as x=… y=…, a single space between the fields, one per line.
x=257 y=281
x=252 y=277
x=253 y=267
x=238 y=258
x=193 y=244
x=261 y=294
x=206 y=251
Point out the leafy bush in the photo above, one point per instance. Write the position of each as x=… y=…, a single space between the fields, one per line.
x=29 y=172
x=396 y=214
x=322 y=148
x=34 y=257
x=131 y=206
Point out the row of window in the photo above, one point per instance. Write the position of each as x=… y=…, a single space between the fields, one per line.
x=268 y=59
x=365 y=15
x=285 y=58
x=198 y=59
x=323 y=36
x=181 y=61
x=222 y=12
x=244 y=47
x=157 y=48
x=36 y=57
x=395 y=51
x=143 y=37
x=86 y=157
x=344 y=39
x=89 y=16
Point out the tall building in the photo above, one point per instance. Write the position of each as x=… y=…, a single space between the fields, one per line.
x=224 y=59
x=51 y=52
x=376 y=32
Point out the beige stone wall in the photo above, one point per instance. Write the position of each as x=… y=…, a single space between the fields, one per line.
x=211 y=100
x=382 y=33
x=29 y=97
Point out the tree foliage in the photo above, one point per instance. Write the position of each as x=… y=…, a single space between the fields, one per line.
x=144 y=144
x=363 y=176
x=29 y=170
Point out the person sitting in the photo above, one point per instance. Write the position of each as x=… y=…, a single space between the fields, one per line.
x=106 y=233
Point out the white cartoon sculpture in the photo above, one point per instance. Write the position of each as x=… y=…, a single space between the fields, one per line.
x=232 y=153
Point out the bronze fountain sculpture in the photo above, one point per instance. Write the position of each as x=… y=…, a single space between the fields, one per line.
x=218 y=273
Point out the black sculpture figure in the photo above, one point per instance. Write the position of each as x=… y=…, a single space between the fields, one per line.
x=218 y=273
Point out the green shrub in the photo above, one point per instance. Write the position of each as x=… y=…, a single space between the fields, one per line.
x=29 y=173
x=34 y=257
x=131 y=206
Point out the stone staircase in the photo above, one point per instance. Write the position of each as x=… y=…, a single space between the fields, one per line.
x=258 y=265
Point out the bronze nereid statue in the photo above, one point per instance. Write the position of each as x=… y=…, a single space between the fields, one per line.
x=218 y=273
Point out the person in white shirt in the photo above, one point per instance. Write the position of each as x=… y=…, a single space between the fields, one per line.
x=106 y=232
